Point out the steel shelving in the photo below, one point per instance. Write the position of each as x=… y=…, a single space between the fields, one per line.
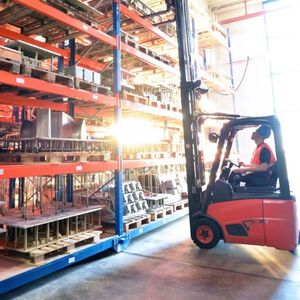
x=111 y=106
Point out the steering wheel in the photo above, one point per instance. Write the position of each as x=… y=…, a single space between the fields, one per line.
x=231 y=163
x=226 y=171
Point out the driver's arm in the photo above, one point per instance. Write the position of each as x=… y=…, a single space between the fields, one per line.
x=265 y=157
x=255 y=168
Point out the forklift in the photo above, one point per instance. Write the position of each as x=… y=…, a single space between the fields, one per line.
x=221 y=210
x=263 y=214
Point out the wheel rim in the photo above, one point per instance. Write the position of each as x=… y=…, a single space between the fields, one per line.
x=204 y=234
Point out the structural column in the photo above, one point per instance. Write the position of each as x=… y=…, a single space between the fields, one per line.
x=118 y=115
x=71 y=112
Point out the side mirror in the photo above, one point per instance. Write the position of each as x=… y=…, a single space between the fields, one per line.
x=213 y=137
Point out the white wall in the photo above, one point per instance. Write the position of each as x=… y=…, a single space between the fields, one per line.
x=248 y=39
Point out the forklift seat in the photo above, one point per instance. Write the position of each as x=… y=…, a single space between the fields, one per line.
x=222 y=191
x=267 y=185
x=254 y=189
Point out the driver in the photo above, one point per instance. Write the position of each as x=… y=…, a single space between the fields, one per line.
x=262 y=158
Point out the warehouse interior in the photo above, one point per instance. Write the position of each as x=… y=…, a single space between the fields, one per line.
x=148 y=149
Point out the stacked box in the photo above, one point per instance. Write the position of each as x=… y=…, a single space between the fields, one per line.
x=96 y=78
x=75 y=71
x=88 y=75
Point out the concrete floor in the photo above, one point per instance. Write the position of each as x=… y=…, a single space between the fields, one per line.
x=166 y=264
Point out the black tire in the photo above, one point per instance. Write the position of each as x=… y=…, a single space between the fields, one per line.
x=205 y=233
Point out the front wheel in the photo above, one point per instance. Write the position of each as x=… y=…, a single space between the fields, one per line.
x=205 y=233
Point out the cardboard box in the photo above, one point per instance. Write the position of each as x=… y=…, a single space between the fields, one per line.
x=74 y=71
x=96 y=78
x=88 y=75
x=10 y=54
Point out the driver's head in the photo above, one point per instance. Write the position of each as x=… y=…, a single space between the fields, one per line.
x=261 y=133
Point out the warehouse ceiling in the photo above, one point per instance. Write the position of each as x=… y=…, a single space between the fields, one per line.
x=220 y=4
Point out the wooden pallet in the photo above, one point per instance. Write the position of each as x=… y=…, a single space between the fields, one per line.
x=159 y=214
x=136 y=222
x=55 y=157
x=168 y=211
x=147 y=51
x=92 y=87
x=35 y=72
x=9 y=65
x=37 y=256
x=179 y=205
x=135 y=98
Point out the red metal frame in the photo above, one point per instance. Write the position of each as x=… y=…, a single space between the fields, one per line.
x=52 y=88
x=143 y=163
x=14 y=100
x=163 y=113
x=84 y=62
x=40 y=169
x=63 y=18
x=148 y=59
x=146 y=24
x=243 y=17
x=57 y=15
x=46 y=169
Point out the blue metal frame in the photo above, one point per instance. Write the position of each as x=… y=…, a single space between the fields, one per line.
x=118 y=117
x=53 y=266
x=11 y=192
x=113 y=242
x=71 y=112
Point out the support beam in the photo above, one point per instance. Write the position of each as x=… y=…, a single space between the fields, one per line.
x=243 y=17
x=117 y=120
x=146 y=24
x=20 y=101
x=56 y=89
x=84 y=62
x=51 y=169
x=40 y=169
x=55 y=14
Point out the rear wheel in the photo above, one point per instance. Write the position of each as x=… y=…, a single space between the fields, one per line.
x=205 y=233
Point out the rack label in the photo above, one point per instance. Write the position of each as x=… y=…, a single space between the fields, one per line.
x=71 y=260
x=95 y=96
x=85 y=27
x=1 y=171
x=20 y=80
x=78 y=168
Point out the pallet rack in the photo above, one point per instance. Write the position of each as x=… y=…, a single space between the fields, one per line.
x=45 y=16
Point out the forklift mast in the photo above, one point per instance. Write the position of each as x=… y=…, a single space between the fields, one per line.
x=190 y=86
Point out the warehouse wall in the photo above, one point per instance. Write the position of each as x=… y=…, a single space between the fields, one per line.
x=254 y=96
x=248 y=39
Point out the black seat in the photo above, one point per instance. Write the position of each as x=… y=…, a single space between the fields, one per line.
x=259 y=182
x=254 y=189
x=222 y=191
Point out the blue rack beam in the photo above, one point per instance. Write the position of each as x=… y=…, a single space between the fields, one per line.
x=38 y=272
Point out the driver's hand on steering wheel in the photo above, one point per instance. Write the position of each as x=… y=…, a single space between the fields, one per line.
x=242 y=164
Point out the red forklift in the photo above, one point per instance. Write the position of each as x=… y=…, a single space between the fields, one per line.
x=256 y=215
x=236 y=213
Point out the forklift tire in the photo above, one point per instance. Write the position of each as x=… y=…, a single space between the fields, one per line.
x=205 y=233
